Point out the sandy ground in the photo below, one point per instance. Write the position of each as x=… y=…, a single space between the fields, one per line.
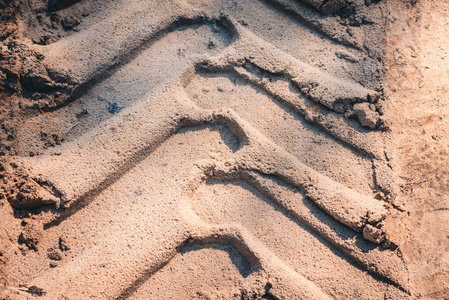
x=416 y=78
x=258 y=149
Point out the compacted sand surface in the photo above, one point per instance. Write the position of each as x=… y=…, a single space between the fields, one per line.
x=241 y=149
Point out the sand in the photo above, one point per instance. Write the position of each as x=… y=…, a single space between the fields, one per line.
x=260 y=149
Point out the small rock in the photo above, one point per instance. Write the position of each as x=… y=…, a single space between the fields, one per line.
x=366 y=115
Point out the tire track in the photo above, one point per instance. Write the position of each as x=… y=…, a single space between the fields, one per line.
x=68 y=60
x=93 y=172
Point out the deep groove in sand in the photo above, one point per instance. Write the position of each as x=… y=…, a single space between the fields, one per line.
x=340 y=249
x=293 y=109
x=146 y=275
x=87 y=198
x=101 y=75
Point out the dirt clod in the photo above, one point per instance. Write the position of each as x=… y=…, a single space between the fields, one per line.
x=63 y=243
x=54 y=254
x=36 y=291
x=367 y=116
x=373 y=234
x=31 y=233
x=70 y=22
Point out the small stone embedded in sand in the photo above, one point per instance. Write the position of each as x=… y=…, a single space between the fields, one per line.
x=367 y=116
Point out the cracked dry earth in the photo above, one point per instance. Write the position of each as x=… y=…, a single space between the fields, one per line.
x=239 y=149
